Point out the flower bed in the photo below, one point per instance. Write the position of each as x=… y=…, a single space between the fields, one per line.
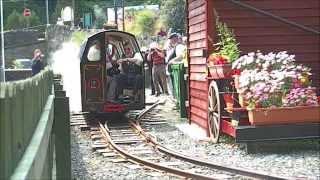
x=274 y=84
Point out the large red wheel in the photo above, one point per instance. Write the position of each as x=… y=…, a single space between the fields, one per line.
x=214 y=112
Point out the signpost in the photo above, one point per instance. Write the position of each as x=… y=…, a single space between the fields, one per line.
x=26 y=12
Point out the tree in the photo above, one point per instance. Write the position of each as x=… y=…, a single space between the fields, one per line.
x=144 y=22
x=12 y=21
x=17 y=21
x=32 y=20
x=173 y=13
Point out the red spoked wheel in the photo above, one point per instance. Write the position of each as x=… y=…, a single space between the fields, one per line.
x=214 y=112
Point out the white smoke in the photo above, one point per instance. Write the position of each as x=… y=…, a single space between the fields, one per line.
x=66 y=62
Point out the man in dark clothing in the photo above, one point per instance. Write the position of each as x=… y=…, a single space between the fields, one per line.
x=145 y=53
x=37 y=62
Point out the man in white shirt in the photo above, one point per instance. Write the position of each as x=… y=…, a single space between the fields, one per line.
x=94 y=53
x=131 y=74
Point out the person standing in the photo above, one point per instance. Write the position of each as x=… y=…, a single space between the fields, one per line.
x=37 y=62
x=156 y=56
x=145 y=53
x=171 y=54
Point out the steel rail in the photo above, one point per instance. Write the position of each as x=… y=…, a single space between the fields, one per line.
x=142 y=113
x=201 y=161
x=136 y=159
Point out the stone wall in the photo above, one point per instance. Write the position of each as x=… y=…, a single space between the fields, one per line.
x=17 y=74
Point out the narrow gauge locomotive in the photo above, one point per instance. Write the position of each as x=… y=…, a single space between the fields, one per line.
x=112 y=73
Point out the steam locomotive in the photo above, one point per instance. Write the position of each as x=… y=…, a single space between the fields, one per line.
x=112 y=73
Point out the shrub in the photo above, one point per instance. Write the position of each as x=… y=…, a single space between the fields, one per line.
x=16 y=20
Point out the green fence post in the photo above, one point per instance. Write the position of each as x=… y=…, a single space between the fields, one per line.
x=4 y=131
x=62 y=137
x=182 y=99
x=6 y=162
x=17 y=124
x=28 y=112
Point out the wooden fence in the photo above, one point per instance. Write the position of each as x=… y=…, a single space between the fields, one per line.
x=28 y=143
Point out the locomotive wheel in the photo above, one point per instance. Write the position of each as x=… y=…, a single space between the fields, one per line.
x=214 y=112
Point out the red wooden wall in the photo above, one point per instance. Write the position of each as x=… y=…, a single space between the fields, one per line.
x=256 y=31
x=253 y=31
x=197 y=44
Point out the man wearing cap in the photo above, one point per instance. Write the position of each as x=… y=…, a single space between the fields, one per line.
x=171 y=54
x=156 y=56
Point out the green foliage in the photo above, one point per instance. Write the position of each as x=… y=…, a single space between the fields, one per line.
x=273 y=100
x=174 y=15
x=17 y=65
x=16 y=20
x=227 y=44
x=13 y=21
x=78 y=37
x=32 y=20
x=144 y=23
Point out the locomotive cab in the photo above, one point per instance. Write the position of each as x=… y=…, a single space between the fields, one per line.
x=112 y=73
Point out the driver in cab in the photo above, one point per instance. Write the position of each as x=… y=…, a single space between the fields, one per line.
x=131 y=75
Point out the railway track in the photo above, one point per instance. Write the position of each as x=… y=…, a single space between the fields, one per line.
x=129 y=142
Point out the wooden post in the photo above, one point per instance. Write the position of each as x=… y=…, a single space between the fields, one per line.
x=5 y=134
x=62 y=136
x=17 y=124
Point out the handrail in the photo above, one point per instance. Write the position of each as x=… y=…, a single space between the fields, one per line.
x=286 y=21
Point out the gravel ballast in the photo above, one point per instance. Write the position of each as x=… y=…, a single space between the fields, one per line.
x=292 y=159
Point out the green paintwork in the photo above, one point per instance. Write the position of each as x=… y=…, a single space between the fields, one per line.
x=27 y=118
x=179 y=87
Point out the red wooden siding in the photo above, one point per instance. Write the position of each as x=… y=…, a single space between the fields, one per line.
x=197 y=44
x=255 y=31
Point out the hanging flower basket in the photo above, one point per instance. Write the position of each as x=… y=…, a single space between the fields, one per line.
x=220 y=71
x=284 y=115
